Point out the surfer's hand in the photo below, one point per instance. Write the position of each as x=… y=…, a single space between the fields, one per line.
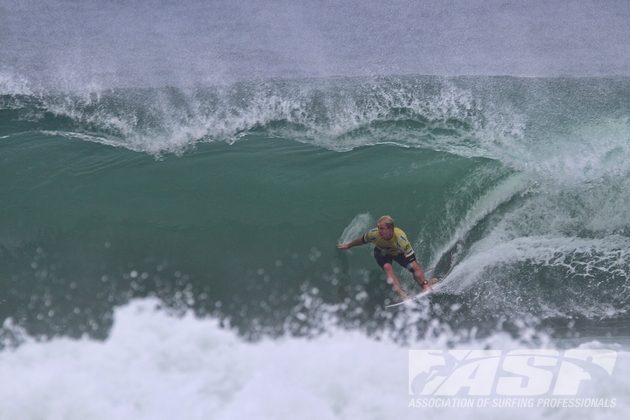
x=343 y=246
x=426 y=286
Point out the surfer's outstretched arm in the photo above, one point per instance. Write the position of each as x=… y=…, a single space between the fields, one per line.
x=348 y=245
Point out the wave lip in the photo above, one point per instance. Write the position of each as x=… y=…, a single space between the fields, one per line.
x=579 y=137
x=336 y=114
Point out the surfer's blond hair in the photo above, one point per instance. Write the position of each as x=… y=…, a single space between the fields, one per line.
x=387 y=220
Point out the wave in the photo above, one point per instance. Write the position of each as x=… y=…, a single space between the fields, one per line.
x=523 y=197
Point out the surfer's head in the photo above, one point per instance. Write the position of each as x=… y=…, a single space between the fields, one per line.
x=385 y=227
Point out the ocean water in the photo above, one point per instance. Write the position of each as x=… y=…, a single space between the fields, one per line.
x=174 y=179
x=186 y=237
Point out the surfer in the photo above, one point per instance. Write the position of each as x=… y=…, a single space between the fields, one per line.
x=391 y=244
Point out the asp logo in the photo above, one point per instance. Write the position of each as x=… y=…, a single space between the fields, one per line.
x=514 y=373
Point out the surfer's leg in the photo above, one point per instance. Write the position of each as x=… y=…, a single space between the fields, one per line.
x=393 y=280
x=385 y=262
x=418 y=274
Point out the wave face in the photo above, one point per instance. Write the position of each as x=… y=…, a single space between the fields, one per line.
x=227 y=202
x=517 y=185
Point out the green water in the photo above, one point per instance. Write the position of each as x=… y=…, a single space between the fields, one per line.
x=240 y=227
x=231 y=200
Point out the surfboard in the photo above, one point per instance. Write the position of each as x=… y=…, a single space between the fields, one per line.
x=435 y=285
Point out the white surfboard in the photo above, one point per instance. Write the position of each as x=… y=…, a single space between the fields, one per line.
x=434 y=288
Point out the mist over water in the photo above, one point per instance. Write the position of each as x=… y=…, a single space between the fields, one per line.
x=78 y=45
x=174 y=177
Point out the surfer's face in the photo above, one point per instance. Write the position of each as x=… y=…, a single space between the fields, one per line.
x=385 y=231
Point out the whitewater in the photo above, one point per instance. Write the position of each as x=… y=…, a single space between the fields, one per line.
x=157 y=366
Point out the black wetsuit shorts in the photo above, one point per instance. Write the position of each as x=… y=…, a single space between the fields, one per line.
x=385 y=257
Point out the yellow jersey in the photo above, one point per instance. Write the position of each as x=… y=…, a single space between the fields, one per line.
x=399 y=244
